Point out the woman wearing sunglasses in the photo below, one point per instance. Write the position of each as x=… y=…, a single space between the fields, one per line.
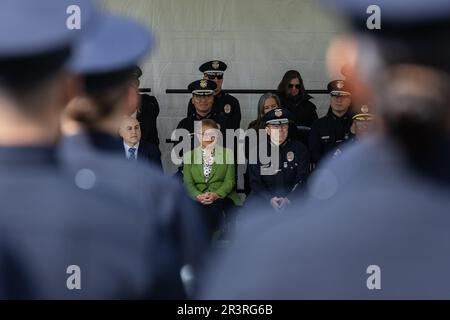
x=293 y=97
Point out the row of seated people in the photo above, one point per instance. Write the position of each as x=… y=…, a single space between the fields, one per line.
x=299 y=145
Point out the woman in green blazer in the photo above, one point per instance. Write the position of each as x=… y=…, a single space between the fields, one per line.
x=209 y=176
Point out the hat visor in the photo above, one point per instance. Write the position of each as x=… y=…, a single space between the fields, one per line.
x=203 y=92
x=338 y=93
x=362 y=117
x=277 y=121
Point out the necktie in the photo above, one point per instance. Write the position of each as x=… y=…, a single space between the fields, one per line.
x=132 y=152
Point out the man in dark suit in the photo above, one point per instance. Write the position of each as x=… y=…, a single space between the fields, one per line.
x=134 y=147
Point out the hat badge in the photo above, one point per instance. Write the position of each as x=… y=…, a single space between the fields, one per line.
x=290 y=156
x=340 y=84
x=364 y=109
x=278 y=113
x=215 y=65
x=203 y=84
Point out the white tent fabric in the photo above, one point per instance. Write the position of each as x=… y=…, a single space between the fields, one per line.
x=259 y=40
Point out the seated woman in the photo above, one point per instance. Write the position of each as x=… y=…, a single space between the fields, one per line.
x=266 y=103
x=209 y=176
x=293 y=97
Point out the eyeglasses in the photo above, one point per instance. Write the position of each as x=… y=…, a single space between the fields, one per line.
x=291 y=85
x=212 y=76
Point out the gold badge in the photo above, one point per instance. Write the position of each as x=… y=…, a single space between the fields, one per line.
x=227 y=108
x=364 y=109
x=340 y=84
x=278 y=113
x=203 y=84
x=290 y=156
x=215 y=65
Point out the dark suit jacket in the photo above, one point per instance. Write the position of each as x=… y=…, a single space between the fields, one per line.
x=147 y=119
x=150 y=153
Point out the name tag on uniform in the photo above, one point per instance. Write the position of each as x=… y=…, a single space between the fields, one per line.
x=325 y=137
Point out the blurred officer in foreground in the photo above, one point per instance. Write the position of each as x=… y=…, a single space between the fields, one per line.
x=382 y=232
x=60 y=237
x=106 y=72
x=328 y=132
x=224 y=104
x=278 y=188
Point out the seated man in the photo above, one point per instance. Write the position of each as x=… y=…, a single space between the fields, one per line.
x=328 y=132
x=277 y=186
x=135 y=149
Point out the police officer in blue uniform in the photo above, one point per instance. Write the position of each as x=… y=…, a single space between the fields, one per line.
x=203 y=99
x=279 y=187
x=330 y=131
x=224 y=104
x=381 y=230
x=61 y=236
x=106 y=74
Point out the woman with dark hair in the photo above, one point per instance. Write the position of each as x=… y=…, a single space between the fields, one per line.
x=293 y=97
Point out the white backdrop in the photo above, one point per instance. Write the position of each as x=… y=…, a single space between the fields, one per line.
x=259 y=40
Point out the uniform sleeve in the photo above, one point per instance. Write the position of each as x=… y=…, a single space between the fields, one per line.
x=315 y=146
x=237 y=114
x=303 y=167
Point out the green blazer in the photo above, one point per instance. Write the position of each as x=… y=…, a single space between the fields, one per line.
x=222 y=179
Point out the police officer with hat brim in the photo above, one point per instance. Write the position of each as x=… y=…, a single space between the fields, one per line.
x=224 y=104
x=203 y=94
x=330 y=131
x=277 y=187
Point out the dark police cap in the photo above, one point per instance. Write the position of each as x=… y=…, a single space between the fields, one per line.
x=213 y=66
x=339 y=88
x=202 y=87
x=108 y=56
x=277 y=116
x=363 y=114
